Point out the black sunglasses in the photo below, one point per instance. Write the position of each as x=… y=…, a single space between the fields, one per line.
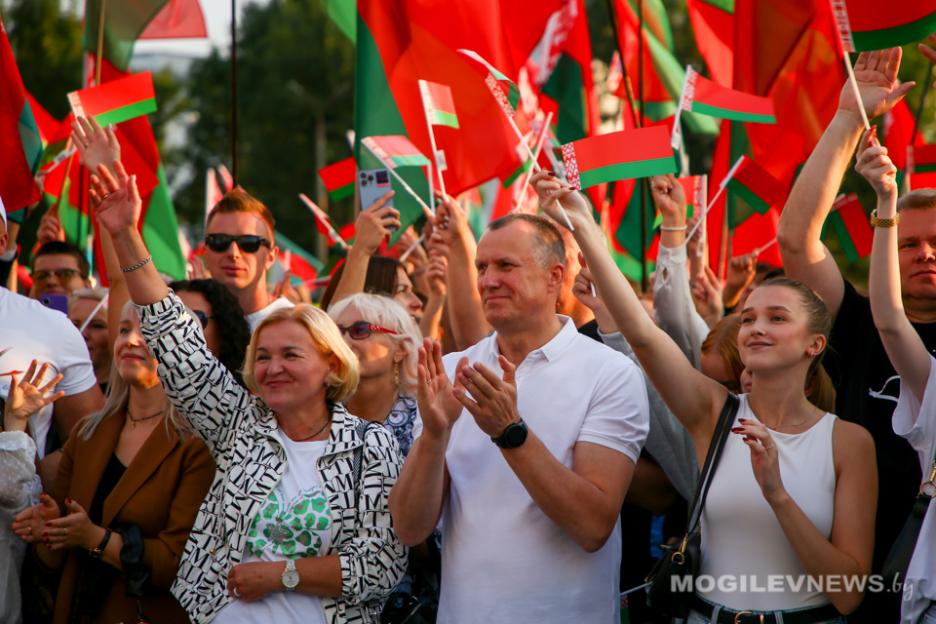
x=248 y=243
x=362 y=330
x=202 y=317
x=62 y=274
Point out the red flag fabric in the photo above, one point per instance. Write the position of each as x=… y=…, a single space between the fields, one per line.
x=20 y=143
x=863 y=25
x=179 y=19
x=339 y=178
x=713 y=25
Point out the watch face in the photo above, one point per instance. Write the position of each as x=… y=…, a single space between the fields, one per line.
x=929 y=489
x=290 y=579
x=515 y=435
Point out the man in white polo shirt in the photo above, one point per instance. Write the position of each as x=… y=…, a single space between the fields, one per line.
x=527 y=459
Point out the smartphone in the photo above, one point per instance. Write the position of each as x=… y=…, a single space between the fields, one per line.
x=372 y=185
x=55 y=301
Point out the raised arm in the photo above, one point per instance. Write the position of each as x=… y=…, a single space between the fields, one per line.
x=805 y=257
x=904 y=346
x=694 y=398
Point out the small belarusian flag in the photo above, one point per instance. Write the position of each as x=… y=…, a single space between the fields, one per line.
x=921 y=159
x=757 y=187
x=440 y=107
x=504 y=89
x=701 y=95
x=395 y=151
x=338 y=178
x=617 y=156
x=322 y=222
x=116 y=101
x=868 y=25
x=850 y=222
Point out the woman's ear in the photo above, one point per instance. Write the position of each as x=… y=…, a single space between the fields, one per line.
x=816 y=346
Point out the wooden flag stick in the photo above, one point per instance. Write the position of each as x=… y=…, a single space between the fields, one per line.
x=323 y=218
x=536 y=153
x=406 y=187
x=423 y=93
x=412 y=248
x=721 y=189
x=765 y=247
x=855 y=91
x=97 y=308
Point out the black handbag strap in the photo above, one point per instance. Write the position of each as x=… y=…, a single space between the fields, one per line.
x=719 y=437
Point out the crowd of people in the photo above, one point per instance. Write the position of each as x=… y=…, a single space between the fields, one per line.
x=492 y=430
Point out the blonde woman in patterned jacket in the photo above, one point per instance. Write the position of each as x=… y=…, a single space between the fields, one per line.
x=296 y=526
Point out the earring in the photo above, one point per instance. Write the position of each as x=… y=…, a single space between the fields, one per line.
x=396 y=374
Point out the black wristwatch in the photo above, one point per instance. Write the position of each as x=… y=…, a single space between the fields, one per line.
x=514 y=435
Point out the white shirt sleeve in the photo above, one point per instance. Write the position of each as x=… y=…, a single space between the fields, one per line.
x=618 y=413
x=915 y=420
x=672 y=302
x=73 y=361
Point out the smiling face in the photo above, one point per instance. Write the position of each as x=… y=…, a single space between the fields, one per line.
x=239 y=270
x=916 y=246
x=514 y=285
x=289 y=369
x=775 y=331
x=135 y=364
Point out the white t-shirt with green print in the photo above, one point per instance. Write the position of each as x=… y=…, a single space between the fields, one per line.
x=294 y=522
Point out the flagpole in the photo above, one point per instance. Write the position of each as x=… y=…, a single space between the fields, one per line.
x=326 y=222
x=855 y=91
x=721 y=189
x=628 y=87
x=234 y=169
x=644 y=282
x=536 y=153
x=919 y=111
x=100 y=42
x=432 y=142
x=406 y=187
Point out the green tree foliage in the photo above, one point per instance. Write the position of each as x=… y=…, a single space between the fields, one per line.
x=295 y=71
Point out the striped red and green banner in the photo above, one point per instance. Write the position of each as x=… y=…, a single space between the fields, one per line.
x=701 y=95
x=505 y=91
x=618 y=156
x=756 y=186
x=440 y=106
x=116 y=101
x=868 y=25
x=338 y=179
x=395 y=151
x=124 y=22
x=851 y=226
x=922 y=159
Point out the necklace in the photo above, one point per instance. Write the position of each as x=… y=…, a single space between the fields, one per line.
x=135 y=421
x=308 y=437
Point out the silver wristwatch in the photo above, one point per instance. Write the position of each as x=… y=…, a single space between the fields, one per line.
x=290 y=576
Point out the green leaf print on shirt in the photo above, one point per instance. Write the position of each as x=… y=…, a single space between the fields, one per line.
x=292 y=530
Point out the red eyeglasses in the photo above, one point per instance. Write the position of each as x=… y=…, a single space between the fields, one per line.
x=362 y=330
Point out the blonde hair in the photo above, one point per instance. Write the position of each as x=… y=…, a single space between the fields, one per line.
x=327 y=339
x=386 y=312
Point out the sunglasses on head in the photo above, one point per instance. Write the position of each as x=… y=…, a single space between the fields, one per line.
x=362 y=330
x=248 y=243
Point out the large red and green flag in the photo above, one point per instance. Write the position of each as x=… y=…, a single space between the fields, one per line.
x=701 y=95
x=757 y=187
x=339 y=178
x=922 y=159
x=395 y=151
x=179 y=19
x=440 y=107
x=116 y=101
x=869 y=25
x=124 y=21
x=851 y=226
x=20 y=141
x=713 y=26
x=617 y=156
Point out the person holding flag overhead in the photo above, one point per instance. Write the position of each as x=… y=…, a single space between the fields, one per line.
x=867 y=384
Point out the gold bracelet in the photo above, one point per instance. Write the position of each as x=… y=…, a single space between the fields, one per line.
x=877 y=222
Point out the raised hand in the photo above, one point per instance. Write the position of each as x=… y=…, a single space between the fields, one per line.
x=741 y=272
x=551 y=192
x=25 y=397
x=50 y=229
x=451 y=220
x=876 y=75
x=437 y=272
x=374 y=224
x=876 y=166
x=494 y=404
x=669 y=198
x=438 y=407
x=96 y=145
x=929 y=52
x=707 y=296
x=30 y=524
x=115 y=198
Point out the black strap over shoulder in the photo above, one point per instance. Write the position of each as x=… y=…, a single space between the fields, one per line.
x=719 y=437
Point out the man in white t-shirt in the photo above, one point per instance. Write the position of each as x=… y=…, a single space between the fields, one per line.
x=528 y=479
x=240 y=249
x=30 y=331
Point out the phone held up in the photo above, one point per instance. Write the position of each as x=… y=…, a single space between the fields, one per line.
x=372 y=185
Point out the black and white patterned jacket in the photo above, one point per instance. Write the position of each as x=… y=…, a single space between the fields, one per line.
x=239 y=430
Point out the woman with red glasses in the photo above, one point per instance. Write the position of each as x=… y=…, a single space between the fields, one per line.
x=386 y=341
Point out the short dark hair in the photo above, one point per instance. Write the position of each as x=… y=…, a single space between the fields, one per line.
x=381 y=279
x=549 y=245
x=917 y=199
x=62 y=248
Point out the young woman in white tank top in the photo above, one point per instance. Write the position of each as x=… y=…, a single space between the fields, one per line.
x=915 y=415
x=790 y=514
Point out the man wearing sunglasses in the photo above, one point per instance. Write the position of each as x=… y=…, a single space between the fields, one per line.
x=239 y=250
x=58 y=268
